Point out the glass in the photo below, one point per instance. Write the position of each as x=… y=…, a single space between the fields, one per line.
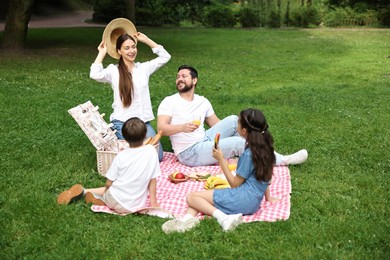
x=232 y=163
x=196 y=120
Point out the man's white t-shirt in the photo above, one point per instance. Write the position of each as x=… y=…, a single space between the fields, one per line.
x=131 y=171
x=182 y=111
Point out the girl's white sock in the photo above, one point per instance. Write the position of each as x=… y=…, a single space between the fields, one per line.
x=219 y=215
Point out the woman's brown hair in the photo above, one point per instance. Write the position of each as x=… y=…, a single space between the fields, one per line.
x=125 y=78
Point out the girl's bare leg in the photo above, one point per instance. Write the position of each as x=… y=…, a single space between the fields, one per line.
x=203 y=201
x=197 y=201
x=200 y=201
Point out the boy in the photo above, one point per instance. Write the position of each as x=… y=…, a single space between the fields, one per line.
x=131 y=177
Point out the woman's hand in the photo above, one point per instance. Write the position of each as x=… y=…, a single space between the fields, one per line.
x=145 y=39
x=141 y=37
x=102 y=47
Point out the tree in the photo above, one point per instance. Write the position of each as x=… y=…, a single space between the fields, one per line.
x=16 y=24
x=130 y=10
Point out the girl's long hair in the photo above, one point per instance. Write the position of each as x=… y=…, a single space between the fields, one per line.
x=260 y=142
x=125 y=78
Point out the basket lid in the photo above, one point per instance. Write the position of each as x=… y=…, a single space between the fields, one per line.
x=92 y=123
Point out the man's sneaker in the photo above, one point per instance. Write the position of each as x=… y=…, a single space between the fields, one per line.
x=296 y=158
x=177 y=225
x=231 y=222
x=94 y=199
x=71 y=195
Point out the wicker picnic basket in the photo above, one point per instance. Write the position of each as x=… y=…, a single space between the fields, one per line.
x=100 y=134
x=105 y=158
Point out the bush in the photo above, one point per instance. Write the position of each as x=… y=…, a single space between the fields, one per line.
x=274 y=19
x=248 y=17
x=287 y=19
x=149 y=17
x=107 y=10
x=151 y=12
x=189 y=14
x=156 y=13
x=384 y=16
x=305 y=16
x=370 y=18
x=218 y=16
x=349 y=17
x=336 y=17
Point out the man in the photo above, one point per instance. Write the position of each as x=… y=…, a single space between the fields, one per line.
x=193 y=144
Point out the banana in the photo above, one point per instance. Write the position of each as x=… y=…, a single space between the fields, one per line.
x=222 y=186
x=215 y=182
x=220 y=181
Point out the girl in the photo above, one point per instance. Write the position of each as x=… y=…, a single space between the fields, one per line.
x=248 y=186
x=130 y=80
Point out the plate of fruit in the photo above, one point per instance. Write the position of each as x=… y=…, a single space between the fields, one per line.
x=177 y=177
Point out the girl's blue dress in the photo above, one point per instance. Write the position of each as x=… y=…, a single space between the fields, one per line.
x=247 y=197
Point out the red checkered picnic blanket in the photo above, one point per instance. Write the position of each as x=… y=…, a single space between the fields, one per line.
x=172 y=197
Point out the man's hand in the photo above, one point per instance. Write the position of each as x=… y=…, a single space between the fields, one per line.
x=189 y=127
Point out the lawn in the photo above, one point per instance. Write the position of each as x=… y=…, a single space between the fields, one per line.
x=321 y=89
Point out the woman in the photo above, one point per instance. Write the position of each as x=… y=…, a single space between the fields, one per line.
x=130 y=80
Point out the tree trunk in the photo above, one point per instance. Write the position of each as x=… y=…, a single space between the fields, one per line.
x=130 y=10
x=16 y=24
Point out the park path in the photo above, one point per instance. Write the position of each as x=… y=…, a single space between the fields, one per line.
x=74 y=19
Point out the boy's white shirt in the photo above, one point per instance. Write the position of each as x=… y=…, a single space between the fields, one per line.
x=131 y=171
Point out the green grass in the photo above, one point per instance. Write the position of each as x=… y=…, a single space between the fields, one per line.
x=324 y=90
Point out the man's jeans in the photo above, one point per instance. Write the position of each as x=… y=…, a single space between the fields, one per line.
x=231 y=144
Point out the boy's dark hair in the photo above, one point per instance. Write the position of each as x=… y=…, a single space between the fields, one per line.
x=134 y=130
x=193 y=71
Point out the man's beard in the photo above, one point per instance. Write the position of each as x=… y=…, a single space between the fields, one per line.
x=186 y=87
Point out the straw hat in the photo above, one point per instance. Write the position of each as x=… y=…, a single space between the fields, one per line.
x=113 y=30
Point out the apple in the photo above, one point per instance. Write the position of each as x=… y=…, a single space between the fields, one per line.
x=179 y=176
